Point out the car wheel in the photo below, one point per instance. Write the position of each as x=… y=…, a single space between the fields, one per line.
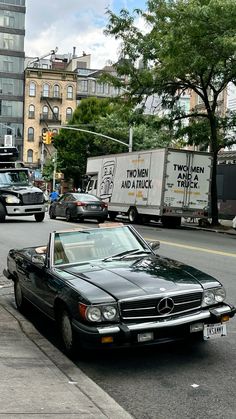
x=66 y=333
x=39 y=217
x=52 y=213
x=68 y=215
x=2 y=214
x=19 y=297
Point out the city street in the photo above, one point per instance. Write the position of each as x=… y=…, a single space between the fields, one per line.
x=168 y=381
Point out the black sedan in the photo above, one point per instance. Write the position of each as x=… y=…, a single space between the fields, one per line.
x=78 y=206
x=107 y=287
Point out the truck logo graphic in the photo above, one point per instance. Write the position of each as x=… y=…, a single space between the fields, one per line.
x=107 y=181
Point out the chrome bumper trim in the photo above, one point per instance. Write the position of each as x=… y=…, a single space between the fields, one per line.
x=206 y=314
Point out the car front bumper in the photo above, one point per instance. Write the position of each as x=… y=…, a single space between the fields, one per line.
x=26 y=209
x=124 y=334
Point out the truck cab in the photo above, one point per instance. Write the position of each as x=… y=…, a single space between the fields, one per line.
x=18 y=197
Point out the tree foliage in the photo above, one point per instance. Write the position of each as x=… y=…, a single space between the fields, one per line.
x=112 y=118
x=186 y=44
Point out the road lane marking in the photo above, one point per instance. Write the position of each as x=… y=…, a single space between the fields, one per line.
x=200 y=249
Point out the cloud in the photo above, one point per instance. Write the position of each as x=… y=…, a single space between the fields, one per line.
x=71 y=23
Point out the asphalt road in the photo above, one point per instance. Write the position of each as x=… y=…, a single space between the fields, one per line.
x=163 y=382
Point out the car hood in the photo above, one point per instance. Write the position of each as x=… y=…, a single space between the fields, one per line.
x=23 y=189
x=142 y=277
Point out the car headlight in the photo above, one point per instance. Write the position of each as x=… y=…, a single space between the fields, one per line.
x=12 y=199
x=98 y=313
x=94 y=314
x=109 y=312
x=46 y=199
x=213 y=296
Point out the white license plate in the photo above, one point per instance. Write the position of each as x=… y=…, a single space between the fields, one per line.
x=145 y=337
x=94 y=207
x=212 y=331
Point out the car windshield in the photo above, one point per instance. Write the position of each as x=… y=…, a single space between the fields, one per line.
x=14 y=178
x=97 y=244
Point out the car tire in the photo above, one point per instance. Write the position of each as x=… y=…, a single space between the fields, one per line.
x=67 y=334
x=52 y=215
x=2 y=213
x=39 y=217
x=101 y=220
x=68 y=216
x=19 y=297
x=133 y=215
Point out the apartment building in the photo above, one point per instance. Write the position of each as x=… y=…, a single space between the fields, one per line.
x=54 y=86
x=50 y=100
x=12 y=33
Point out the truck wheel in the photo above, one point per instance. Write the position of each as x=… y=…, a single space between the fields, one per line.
x=2 y=214
x=171 y=222
x=133 y=216
x=112 y=215
x=39 y=217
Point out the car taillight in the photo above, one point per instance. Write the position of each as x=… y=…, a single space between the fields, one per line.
x=104 y=205
x=80 y=204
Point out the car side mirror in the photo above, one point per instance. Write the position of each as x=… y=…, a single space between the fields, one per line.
x=39 y=259
x=155 y=246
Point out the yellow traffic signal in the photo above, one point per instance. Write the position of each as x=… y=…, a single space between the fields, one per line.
x=45 y=137
x=50 y=137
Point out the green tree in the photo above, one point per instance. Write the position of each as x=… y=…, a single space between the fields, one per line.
x=74 y=147
x=186 y=44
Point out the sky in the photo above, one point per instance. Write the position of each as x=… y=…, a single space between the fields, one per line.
x=73 y=23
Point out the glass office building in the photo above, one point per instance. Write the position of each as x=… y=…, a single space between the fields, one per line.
x=12 y=33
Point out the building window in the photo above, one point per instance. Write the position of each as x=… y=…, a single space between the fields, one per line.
x=45 y=112
x=30 y=134
x=100 y=87
x=69 y=92
x=56 y=90
x=83 y=85
x=46 y=90
x=30 y=156
x=55 y=112
x=93 y=86
x=32 y=89
x=106 y=88
x=31 y=111
x=68 y=113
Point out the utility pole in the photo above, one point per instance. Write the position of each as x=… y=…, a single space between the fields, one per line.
x=54 y=171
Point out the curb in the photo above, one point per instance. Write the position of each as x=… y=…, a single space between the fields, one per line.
x=98 y=397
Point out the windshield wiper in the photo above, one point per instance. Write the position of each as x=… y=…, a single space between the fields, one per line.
x=127 y=253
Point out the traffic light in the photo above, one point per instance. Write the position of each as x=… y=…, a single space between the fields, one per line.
x=50 y=137
x=45 y=137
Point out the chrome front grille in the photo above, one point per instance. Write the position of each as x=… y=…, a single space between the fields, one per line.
x=33 y=198
x=147 y=309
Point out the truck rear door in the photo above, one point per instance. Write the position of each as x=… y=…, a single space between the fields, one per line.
x=187 y=180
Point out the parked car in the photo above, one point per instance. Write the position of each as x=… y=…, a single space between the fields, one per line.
x=107 y=287
x=78 y=206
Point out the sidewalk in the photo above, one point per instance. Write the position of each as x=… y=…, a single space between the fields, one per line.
x=37 y=379
x=225 y=227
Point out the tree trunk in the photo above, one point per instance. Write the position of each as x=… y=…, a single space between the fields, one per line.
x=214 y=150
x=214 y=199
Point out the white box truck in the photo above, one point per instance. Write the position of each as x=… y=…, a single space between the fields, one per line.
x=164 y=184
